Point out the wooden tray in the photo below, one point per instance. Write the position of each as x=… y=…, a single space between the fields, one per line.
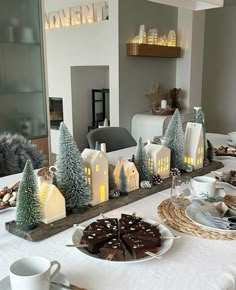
x=44 y=231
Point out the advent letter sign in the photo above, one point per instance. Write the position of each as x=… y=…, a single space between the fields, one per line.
x=87 y=13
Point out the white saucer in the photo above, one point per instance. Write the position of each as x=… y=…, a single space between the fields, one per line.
x=60 y=278
x=231 y=143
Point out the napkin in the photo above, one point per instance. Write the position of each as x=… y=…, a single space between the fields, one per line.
x=218 y=213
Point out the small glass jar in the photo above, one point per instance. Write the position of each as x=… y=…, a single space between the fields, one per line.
x=180 y=191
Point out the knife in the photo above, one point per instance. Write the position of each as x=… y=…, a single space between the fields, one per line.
x=71 y=287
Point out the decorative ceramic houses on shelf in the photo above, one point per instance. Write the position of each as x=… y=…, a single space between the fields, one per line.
x=96 y=173
x=193 y=145
x=158 y=159
x=131 y=173
x=52 y=203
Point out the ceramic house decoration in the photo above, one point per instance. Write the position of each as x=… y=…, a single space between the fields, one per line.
x=131 y=173
x=193 y=145
x=158 y=159
x=52 y=203
x=96 y=173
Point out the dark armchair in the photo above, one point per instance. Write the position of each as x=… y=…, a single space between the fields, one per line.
x=116 y=138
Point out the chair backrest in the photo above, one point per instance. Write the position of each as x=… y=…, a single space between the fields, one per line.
x=116 y=138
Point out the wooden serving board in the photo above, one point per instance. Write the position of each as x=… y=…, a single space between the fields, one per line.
x=43 y=231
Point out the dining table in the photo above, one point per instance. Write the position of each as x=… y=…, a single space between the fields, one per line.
x=191 y=263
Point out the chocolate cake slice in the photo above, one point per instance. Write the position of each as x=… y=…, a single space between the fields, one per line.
x=113 y=250
x=109 y=223
x=142 y=227
x=95 y=240
x=127 y=221
x=137 y=246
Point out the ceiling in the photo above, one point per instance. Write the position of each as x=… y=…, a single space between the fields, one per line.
x=193 y=4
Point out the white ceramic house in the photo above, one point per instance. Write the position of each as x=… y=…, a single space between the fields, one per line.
x=96 y=172
x=131 y=174
x=158 y=159
x=53 y=206
x=193 y=145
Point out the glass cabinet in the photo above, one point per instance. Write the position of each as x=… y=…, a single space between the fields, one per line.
x=22 y=86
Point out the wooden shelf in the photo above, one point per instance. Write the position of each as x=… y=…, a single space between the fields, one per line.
x=135 y=49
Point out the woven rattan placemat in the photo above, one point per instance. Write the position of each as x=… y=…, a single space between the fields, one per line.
x=176 y=219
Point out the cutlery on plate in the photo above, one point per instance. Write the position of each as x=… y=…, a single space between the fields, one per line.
x=71 y=287
x=151 y=254
x=170 y=237
x=77 y=245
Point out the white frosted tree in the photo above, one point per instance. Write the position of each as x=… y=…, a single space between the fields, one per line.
x=174 y=140
x=70 y=171
x=28 y=210
x=141 y=162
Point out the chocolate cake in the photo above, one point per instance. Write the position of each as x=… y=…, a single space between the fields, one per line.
x=113 y=250
x=138 y=236
x=95 y=240
x=127 y=221
x=137 y=246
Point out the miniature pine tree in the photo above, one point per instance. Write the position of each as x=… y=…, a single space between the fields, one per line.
x=141 y=162
x=70 y=171
x=174 y=140
x=122 y=180
x=210 y=151
x=112 y=182
x=28 y=211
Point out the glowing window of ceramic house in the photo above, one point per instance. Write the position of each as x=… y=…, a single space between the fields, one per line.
x=105 y=172
x=102 y=193
x=97 y=167
x=89 y=171
x=85 y=170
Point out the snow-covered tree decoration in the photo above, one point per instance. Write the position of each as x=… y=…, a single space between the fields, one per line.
x=28 y=211
x=199 y=117
x=122 y=180
x=70 y=171
x=141 y=162
x=174 y=139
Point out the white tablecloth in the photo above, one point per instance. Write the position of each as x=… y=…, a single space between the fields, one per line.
x=191 y=264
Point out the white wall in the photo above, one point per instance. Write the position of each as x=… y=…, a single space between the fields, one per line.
x=83 y=45
x=189 y=67
x=83 y=79
x=138 y=74
x=219 y=85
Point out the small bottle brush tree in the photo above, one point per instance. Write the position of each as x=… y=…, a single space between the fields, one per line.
x=174 y=140
x=70 y=171
x=122 y=181
x=28 y=210
x=141 y=162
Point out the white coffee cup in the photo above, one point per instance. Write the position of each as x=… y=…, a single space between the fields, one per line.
x=32 y=273
x=232 y=136
x=203 y=185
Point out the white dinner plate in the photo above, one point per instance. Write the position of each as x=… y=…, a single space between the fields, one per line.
x=8 y=208
x=231 y=143
x=166 y=244
x=60 y=278
x=228 y=188
x=199 y=219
